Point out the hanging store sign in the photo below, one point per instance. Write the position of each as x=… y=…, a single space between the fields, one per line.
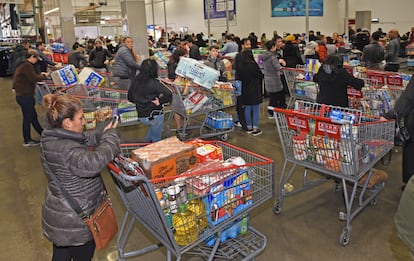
x=11 y=1
x=285 y=8
x=217 y=9
x=88 y=17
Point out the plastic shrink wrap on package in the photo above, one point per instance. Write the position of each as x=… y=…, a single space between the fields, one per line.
x=67 y=76
x=89 y=77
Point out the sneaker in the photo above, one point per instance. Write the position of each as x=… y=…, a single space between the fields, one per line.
x=237 y=124
x=249 y=131
x=31 y=143
x=256 y=132
x=270 y=114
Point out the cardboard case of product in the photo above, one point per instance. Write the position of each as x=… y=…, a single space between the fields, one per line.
x=67 y=76
x=89 y=77
x=166 y=158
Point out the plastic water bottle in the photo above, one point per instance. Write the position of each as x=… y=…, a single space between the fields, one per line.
x=244 y=224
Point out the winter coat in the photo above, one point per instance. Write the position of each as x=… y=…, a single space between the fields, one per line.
x=43 y=62
x=77 y=59
x=250 y=75
x=125 y=65
x=404 y=107
x=66 y=155
x=194 y=52
x=25 y=79
x=171 y=66
x=272 y=69
x=142 y=92
x=229 y=47
x=218 y=65
x=333 y=85
x=98 y=56
x=393 y=51
x=322 y=52
x=373 y=55
x=17 y=57
x=291 y=54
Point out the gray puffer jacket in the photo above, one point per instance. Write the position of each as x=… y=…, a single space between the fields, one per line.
x=125 y=65
x=272 y=70
x=66 y=155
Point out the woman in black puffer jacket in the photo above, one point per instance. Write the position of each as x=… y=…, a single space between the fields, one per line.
x=66 y=154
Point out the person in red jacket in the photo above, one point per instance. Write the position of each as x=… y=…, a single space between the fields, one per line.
x=24 y=83
x=322 y=49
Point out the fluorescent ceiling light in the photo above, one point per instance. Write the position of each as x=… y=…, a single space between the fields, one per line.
x=52 y=10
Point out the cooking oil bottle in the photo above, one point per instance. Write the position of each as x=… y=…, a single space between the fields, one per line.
x=185 y=225
x=198 y=207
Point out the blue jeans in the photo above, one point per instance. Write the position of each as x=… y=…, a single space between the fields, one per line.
x=251 y=112
x=154 y=133
x=27 y=103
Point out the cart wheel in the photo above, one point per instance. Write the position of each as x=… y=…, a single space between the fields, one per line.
x=373 y=202
x=337 y=187
x=277 y=209
x=224 y=137
x=344 y=238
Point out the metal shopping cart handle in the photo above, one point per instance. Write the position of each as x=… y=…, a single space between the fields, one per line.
x=127 y=169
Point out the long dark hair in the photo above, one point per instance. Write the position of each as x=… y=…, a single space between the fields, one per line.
x=333 y=63
x=175 y=57
x=148 y=70
x=246 y=56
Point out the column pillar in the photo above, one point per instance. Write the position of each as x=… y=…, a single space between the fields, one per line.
x=66 y=23
x=135 y=25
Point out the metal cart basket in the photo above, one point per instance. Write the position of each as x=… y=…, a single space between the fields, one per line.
x=201 y=110
x=101 y=103
x=199 y=232
x=396 y=82
x=298 y=86
x=341 y=144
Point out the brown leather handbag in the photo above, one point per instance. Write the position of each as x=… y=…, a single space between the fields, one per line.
x=102 y=224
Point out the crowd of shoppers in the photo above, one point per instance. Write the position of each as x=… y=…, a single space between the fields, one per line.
x=65 y=115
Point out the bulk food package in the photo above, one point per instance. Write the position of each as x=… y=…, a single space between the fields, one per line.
x=68 y=76
x=213 y=94
x=195 y=187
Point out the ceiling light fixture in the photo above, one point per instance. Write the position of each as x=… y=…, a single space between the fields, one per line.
x=52 y=10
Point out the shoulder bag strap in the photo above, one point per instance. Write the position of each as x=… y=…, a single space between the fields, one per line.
x=70 y=199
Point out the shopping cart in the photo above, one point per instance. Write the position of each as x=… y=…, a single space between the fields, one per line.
x=396 y=82
x=368 y=98
x=201 y=231
x=47 y=86
x=299 y=87
x=344 y=146
x=324 y=110
x=201 y=109
x=99 y=104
